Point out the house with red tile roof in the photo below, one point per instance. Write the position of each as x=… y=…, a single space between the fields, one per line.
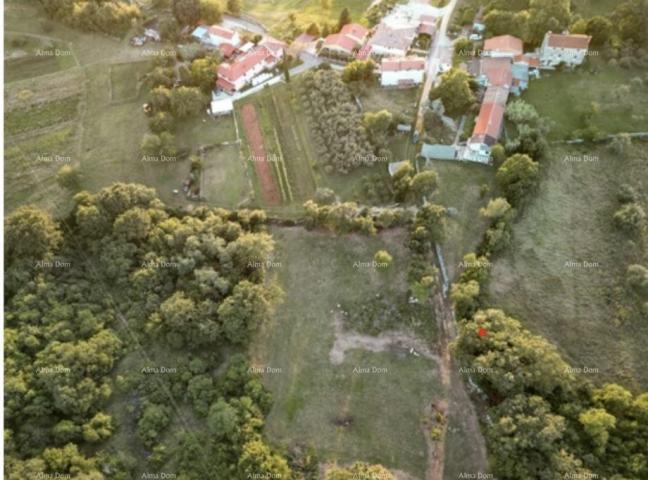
x=565 y=48
x=488 y=128
x=402 y=71
x=346 y=42
x=506 y=46
x=494 y=71
x=235 y=75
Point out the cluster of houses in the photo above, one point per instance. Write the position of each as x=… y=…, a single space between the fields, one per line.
x=503 y=69
x=245 y=62
x=389 y=43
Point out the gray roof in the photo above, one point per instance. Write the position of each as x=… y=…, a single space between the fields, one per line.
x=439 y=152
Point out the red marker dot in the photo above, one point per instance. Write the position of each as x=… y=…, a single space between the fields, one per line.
x=481 y=332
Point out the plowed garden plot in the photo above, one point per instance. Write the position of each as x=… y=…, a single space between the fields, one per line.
x=269 y=190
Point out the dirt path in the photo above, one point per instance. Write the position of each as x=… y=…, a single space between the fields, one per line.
x=349 y=340
x=454 y=389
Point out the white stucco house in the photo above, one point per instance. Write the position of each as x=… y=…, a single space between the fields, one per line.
x=565 y=48
x=402 y=72
x=215 y=36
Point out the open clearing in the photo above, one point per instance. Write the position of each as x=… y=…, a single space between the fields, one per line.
x=564 y=96
x=274 y=13
x=459 y=189
x=570 y=220
x=346 y=416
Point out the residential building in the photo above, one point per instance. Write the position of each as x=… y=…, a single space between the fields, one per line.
x=567 y=49
x=402 y=71
x=488 y=126
x=495 y=71
x=345 y=43
x=388 y=41
x=234 y=76
x=506 y=46
x=216 y=35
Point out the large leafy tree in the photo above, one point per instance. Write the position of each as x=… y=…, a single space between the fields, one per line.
x=455 y=92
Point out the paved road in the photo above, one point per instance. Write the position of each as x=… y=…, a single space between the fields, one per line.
x=441 y=52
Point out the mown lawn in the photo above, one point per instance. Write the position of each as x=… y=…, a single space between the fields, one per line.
x=570 y=220
x=563 y=96
x=383 y=410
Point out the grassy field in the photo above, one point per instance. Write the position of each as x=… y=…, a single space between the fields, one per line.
x=311 y=395
x=286 y=140
x=574 y=305
x=29 y=56
x=459 y=189
x=92 y=113
x=274 y=13
x=589 y=8
x=564 y=96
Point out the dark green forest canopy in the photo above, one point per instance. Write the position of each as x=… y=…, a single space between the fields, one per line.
x=122 y=274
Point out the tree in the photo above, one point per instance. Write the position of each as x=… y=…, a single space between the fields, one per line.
x=519 y=111
x=161 y=98
x=455 y=92
x=359 y=470
x=99 y=428
x=345 y=18
x=30 y=233
x=525 y=436
x=203 y=73
x=359 y=70
x=631 y=21
x=382 y=257
x=547 y=15
x=210 y=11
x=256 y=458
x=465 y=296
x=223 y=421
x=155 y=418
x=517 y=175
x=378 y=125
x=247 y=307
x=597 y=422
x=402 y=181
x=156 y=145
x=234 y=7
x=187 y=101
x=424 y=184
x=630 y=218
x=600 y=29
x=313 y=29
x=68 y=177
x=463 y=48
x=161 y=122
x=187 y=11
x=496 y=208
x=637 y=278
